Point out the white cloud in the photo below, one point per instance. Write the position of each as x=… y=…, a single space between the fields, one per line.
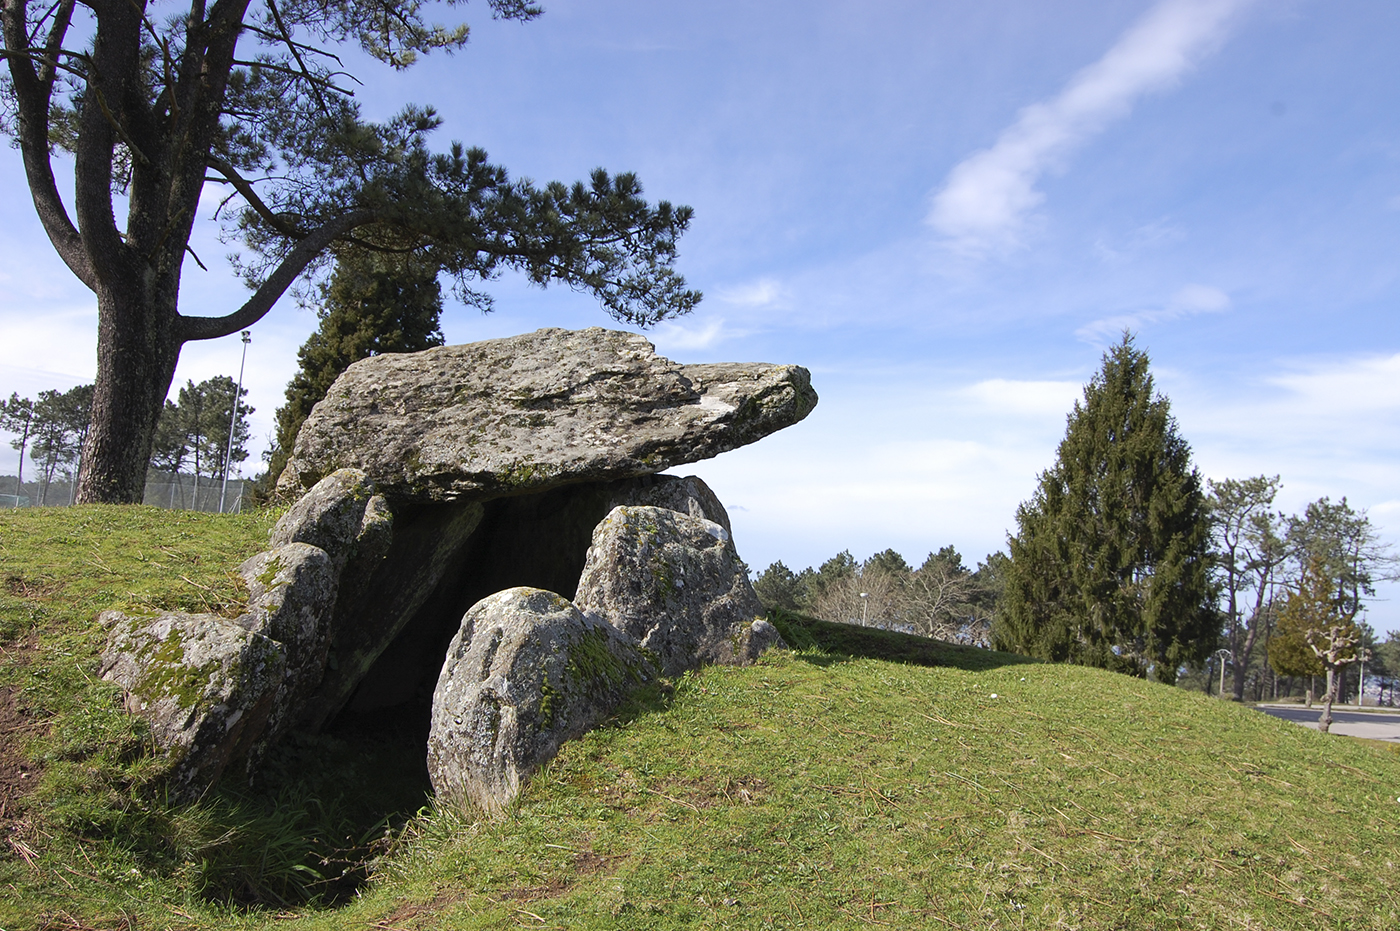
x=60 y=342
x=985 y=201
x=1186 y=302
x=760 y=293
x=1025 y=398
x=1387 y=509
x=693 y=334
x=1199 y=298
x=1358 y=386
x=1328 y=427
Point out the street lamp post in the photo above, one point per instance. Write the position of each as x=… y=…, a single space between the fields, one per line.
x=864 y=600
x=233 y=422
x=1363 y=655
x=1224 y=655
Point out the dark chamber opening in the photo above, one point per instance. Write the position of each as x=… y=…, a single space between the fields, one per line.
x=331 y=797
x=354 y=782
x=539 y=541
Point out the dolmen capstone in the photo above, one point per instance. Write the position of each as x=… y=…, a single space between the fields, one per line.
x=481 y=530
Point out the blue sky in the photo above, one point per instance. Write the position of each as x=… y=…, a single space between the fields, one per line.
x=946 y=211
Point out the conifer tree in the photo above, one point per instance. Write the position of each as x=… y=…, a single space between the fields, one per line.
x=17 y=416
x=1110 y=566
x=374 y=303
x=776 y=587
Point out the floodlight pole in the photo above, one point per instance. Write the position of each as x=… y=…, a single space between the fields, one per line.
x=233 y=422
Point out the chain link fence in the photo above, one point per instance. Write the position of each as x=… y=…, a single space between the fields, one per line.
x=163 y=489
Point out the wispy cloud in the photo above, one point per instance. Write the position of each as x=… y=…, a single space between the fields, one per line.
x=693 y=334
x=62 y=340
x=761 y=293
x=987 y=197
x=1024 y=398
x=1328 y=426
x=1364 y=386
x=1148 y=236
x=1187 y=302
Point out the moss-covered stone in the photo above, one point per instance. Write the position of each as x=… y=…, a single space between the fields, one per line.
x=675 y=584
x=205 y=683
x=525 y=673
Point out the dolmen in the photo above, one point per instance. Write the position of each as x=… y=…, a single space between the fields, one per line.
x=487 y=525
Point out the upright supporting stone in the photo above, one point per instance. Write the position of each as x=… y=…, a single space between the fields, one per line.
x=292 y=596
x=525 y=673
x=675 y=584
x=205 y=683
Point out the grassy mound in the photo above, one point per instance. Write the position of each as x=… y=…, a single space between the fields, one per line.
x=864 y=779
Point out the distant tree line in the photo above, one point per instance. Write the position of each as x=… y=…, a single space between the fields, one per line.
x=1125 y=558
x=51 y=429
x=941 y=598
x=192 y=437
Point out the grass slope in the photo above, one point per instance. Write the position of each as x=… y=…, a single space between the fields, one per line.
x=816 y=789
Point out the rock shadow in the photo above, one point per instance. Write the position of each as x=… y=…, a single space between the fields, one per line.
x=826 y=642
x=538 y=541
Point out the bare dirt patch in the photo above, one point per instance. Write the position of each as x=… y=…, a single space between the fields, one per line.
x=18 y=774
x=726 y=790
x=417 y=912
x=21 y=587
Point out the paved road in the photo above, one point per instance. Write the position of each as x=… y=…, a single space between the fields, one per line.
x=1376 y=725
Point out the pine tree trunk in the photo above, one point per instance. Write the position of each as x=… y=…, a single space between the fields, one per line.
x=23 y=442
x=1246 y=653
x=137 y=349
x=48 y=474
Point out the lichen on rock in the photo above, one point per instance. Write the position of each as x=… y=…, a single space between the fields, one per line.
x=525 y=672
x=206 y=684
x=675 y=584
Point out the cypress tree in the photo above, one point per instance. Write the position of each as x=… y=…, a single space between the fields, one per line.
x=1110 y=566
x=374 y=303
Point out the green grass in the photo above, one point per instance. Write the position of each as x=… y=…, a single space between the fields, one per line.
x=98 y=816
x=855 y=782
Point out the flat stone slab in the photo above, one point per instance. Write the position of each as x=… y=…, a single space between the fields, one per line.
x=532 y=412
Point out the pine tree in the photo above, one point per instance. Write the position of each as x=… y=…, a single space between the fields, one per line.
x=17 y=416
x=776 y=587
x=1110 y=567
x=56 y=436
x=195 y=431
x=374 y=303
